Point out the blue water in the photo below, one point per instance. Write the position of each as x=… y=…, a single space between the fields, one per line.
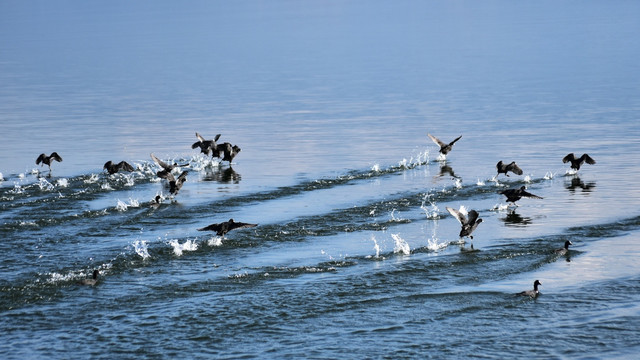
x=355 y=254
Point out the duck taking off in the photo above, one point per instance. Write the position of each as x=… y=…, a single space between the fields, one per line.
x=46 y=160
x=444 y=148
x=228 y=151
x=514 y=195
x=468 y=225
x=577 y=162
x=505 y=168
x=206 y=146
x=166 y=168
x=224 y=227
x=114 y=168
x=531 y=293
x=176 y=184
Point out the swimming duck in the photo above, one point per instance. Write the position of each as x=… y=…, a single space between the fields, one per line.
x=505 y=168
x=176 y=184
x=531 y=293
x=91 y=281
x=577 y=162
x=514 y=195
x=114 y=168
x=468 y=225
x=46 y=160
x=224 y=227
x=167 y=169
x=206 y=146
x=444 y=148
x=564 y=250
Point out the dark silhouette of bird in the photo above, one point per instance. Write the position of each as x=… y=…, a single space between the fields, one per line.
x=514 y=195
x=563 y=250
x=114 y=168
x=46 y=160
x=91 y=281
x=176 y=184
x=228 y=151
x=206 y=146
x=468 y=225
x=444 y=148
x=505 y=168
x=577 y=162
x=224 y=227
x=531 y=293
x=167 y=169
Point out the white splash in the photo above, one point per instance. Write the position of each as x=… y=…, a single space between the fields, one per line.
x=432 y=210
x=121 y=206
x=21 y=176
x=106 y=186
x=401 y=246
x=178 y=249
x=549 y=175
x=376 y=247
x=458 y=184
x=500 y=207
x=45 y=185
x=92 y=179
x=141 y=248
x=375 y=168
x=393 y=216
x=480 y=183
x=527 y=179
x=215 y=241
x=441 y=157
x=434 y=245
x=129 y=180
x=63 y=182
x=403 y=163
x=17 y=189
x=1 y=177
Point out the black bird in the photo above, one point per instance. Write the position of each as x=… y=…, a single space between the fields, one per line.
x=505 y=168
x=577 y=162
x=114 y=168
x=176 y=184
x=222 y=228
x=531 y=293
x=229 y=151
x=514 y=195
x=206 y=146
x=46 y=160
x=91 y=281
x=444 y=148
x=167 y=169
x=564 y=250
x=468 y=225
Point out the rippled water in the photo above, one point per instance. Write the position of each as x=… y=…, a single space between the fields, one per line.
x=355 y=254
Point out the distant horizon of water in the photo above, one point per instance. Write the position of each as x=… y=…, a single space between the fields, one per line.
x=355 y=253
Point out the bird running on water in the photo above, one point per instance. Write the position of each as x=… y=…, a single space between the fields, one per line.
x=505 y=168
x=444 y=147
x=114 y=168
x=224 y=227
x=176 y=184
x=514 y=195
x=206 y=146
x=468 y=224
x=46 y=160
x=166 y=168
x=577 y=162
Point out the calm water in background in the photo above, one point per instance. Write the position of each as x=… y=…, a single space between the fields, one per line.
x=331 y=103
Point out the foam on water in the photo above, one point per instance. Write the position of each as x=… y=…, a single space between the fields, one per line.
x=45 y=185
x=63 y=182
x=401 y=246
x=122 y=206
x=141 y=247
x=215 y=241
x=93 y=178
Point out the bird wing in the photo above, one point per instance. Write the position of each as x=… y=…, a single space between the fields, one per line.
x=241 y=225
x=529 y=195
x=160 y=162
x=436 y=140
x=569 y=157
x=458 y=215
x=40 y=158
x=54 y=155
x=125 y=166
x=200 y=137
x=166 y=175
x=182 y=178
x=196 y=144
x=473 y=216
x=212 y=227
x=454 y=141
x=217 y=137
x=107 y=165
x=515 y=168
x=589 y=160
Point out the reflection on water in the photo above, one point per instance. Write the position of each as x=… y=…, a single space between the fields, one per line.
x=224 y=175
x=576 y=183
x=446 y=170
x=515 y=219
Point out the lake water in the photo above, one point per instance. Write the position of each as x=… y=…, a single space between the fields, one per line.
x=355 y=254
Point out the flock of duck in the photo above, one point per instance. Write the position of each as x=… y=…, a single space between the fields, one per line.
x=469 y=221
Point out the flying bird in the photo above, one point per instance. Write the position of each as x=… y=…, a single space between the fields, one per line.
x=176 y=184
x=114 y=168
x=167 y=169
x=468 y=225
x=531 y=293
x=444 y=148
x=505 y=168
x=577 y=162
x=46 y=160
x=563 y=250
x=514 y=195
x=206 y=146
x=91 y=281
x=224 y=227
